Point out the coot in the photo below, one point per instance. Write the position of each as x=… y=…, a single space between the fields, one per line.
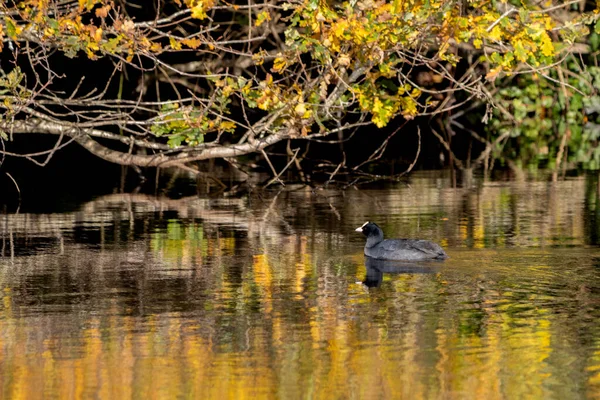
x=398 y=249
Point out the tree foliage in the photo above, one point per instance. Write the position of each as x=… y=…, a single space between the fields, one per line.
x=217 y=79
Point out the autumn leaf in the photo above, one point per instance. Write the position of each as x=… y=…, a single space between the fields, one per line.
x=300 y=109
x=155 y=47
x=102 y=12
x=493 y=74
x=262 y=17
x=279 y=64
x=12 y=29
x=227 y=126
x=87 y=4
x=199 y=8
x=110 y=46
x=128 y=26
x=193 y=43
x=496 y=34
x=98 y=35
x=174 y=43
x=520 y=52
x=547 y=46
x=259 y=57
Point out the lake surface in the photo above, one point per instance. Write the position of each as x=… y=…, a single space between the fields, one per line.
x=269 y=295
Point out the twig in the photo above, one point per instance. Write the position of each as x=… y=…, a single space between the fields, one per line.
x=340 y=165
x=458 y=163
x=276 y=178
x=496 y=22
x=412 y=165
x=376 y=155
x=18 y=190
x=567 y=133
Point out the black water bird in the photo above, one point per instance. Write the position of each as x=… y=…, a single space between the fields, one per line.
x=398 y=249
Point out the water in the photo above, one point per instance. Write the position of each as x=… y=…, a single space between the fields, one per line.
x=269 y=296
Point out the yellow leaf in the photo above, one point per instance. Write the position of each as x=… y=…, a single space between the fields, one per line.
x=279 y=64
x=12 y=29
x=155 y=47
x=378 y=121
x=192 y=43
x=547 y=46
x=246 y=89
x=227 y=125
x=416 y=92
x=98 y=35
x=409 y=107
x=443 y=48
x=198 y=12
x=262 y=17
x=200 y=7
x=174 y=44
x=258 y=58
x=300 y=109
x=377 y=104
x=339 y=28
x=496 y=33
x=145 y=42
x=520 y=52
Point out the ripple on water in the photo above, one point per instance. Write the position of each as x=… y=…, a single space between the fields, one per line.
x=271 y=296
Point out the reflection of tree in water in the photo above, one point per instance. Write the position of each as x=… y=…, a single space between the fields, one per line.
x=591 y=209
x=261 y=293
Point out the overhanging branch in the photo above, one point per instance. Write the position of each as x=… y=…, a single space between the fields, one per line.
x=82 y=136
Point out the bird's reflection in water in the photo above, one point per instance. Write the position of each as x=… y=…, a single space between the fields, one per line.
x=376 y=269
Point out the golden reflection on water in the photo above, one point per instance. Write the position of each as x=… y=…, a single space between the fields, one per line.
x=139 y=297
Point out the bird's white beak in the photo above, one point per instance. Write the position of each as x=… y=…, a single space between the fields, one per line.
x=361 y=228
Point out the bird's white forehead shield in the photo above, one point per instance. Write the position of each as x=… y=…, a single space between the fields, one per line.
x=361 y=228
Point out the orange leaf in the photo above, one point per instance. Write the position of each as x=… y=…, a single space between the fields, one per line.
x=102 y=12
x=192 y=43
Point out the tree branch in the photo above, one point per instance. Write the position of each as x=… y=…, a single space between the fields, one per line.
x=82 y=136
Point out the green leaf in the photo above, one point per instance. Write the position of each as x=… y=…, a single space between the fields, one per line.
x=523 y=15
x=53 y=24
x=11 y=28
x=111 y=45
x=159 y=129
x=175 y=140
